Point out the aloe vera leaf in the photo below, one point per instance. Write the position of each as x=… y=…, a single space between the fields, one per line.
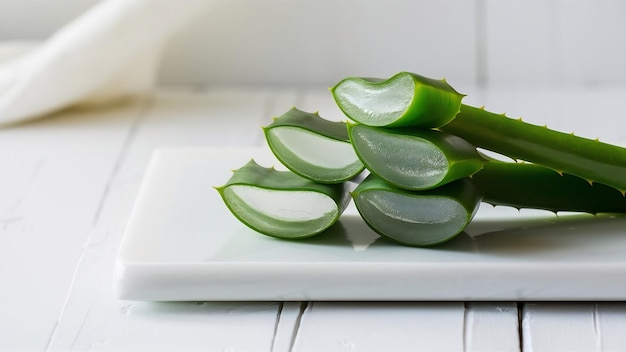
x=406 y=99
x=376 y=100
x=416 y=218
x=414 y=158
x=589 y=159
x=313 y=147
x=281 y=203
x=524 y=185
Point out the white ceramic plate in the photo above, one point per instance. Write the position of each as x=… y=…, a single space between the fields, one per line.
x=183 y=244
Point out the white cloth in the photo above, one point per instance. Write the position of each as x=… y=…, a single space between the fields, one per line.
x=111 y=51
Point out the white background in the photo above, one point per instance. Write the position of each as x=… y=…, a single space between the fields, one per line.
x=492 y=42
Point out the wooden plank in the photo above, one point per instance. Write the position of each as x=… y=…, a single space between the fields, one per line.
x=610 y=320
x=93 y=318
x=491 y=327
x=574 y=326
x=54 y=174
x=354 y=326
x=290 y=317
x=167 y=326
x=407 y=326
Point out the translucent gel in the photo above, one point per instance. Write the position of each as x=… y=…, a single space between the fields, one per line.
x=419 y=220
x=327 y=152
x=286 y=205
x=407 y=161
x=377 y=105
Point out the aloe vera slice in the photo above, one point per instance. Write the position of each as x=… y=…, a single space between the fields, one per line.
x=384 y=103
x=566 y=153
x=313 y=147
x=281 y=203
x=414 y=159
x=406 y=99
x=524 y=185
x=416 y=218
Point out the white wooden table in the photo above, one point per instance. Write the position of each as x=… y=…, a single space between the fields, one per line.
x=68 y=183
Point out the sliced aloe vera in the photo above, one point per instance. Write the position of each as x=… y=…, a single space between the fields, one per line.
x=406 y=99
x=416 y=218
x=313 y=147
x=414 y=159
x=281 y=203
x=399 y=101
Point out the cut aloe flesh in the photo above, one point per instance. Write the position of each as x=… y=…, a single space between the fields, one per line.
x=564 y=152
x=406 y=99
x=414 y=159
x=281 y=203
x=313 y=147
x=416 y=218
x=524 y=185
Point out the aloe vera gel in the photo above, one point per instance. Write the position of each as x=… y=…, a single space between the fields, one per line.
x=282 y=204
x=416 y=218
x=313 y=147
x=415 y=159
x=406 y=99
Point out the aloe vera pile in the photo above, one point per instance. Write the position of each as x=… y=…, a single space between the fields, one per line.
x=409 y=159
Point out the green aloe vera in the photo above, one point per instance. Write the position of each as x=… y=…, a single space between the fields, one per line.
x=418 y=141
x=429 y=217
x=524 y=185
x=416 y=218
x=281 y=203
x=367 y=102
x=406 y=99
x=566 y=153
x=313 y=147
x=413 y=158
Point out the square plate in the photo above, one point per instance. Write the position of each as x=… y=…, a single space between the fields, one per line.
x=182 y=244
